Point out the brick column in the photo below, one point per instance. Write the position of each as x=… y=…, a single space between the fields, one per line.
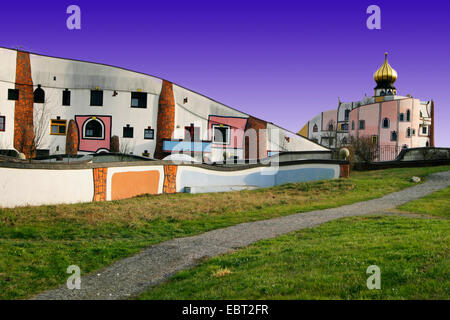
x=100 y=175
x=23 y=112
x=72 y=138
x=166 y=118
x=257 y=125
x=170 y=179
x=345 y=170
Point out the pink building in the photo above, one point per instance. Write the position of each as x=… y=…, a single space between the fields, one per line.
x=391 y=121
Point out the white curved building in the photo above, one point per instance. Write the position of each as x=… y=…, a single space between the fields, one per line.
x=56 y=106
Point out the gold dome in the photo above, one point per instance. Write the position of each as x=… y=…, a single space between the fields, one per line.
x=385 y=74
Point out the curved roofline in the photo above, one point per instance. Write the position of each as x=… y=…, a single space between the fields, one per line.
x=149 y=75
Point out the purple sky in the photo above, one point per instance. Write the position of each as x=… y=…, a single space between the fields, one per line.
x=282 y=61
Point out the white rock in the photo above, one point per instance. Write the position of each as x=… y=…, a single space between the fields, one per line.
x=415 y=179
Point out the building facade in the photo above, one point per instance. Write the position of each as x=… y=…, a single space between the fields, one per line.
x=56 y=106
x=391 y=121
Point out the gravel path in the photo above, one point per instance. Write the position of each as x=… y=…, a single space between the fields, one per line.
x=133 y=275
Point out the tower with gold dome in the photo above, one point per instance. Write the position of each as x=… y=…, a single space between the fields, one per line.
x=391 y=121
x=385 y=78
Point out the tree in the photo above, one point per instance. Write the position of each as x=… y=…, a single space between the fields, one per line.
x=32 y=133
x=363 y=149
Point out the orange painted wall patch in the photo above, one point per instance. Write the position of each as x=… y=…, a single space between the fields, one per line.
x=130 y=184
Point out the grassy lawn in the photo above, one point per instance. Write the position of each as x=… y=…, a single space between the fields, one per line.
x=327 y=262
x=38 y=243
x=436 y=204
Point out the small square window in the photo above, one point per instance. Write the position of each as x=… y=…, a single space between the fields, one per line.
x=58 y=127
x=2 y=123
x=374 y=139
x=424 y=130
x=13 y=94
x=149 y=134
x=96 y=98
x=128 y=132
x=362 y=124
x=66 y=98
x=139 y=99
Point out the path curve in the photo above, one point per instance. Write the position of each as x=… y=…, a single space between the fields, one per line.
x=135 y=274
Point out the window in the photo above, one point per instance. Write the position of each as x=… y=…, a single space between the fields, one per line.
x=139 y=99
x=39 y=95
x=344 y=127
x=330 y=127
x=408 y=132
x=386 y=123
x=222 y=134
x=408 y=115
x=402 y=117
x=393 y=135
x=413 y=132
x=96 y=98
x=315 y=129
x=66 y=98
x=362 y=124
x=191 y=133
x=128 y=131
x=421 y=114
x=353 y=125
x=58 y=127
x=424 y=130
x=13 y=94
x=375 y=139
x=344 y=140
x=2 y=123
x=93 y=129
x=149 y=134
x=347 y=114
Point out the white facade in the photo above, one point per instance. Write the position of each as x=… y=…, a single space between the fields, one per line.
x=55 y=75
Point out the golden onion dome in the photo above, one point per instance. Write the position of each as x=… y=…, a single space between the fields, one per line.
x=385 y=74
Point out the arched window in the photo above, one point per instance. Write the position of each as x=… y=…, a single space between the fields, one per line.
x=353 y=125
x=408 y=115
x=93 y=129
x=382 y=93
x=386 y=123
x=315 y=129
x=394 y=136
x=330 y=127
x=408 y=132
x=39 y=95
x=401 y=117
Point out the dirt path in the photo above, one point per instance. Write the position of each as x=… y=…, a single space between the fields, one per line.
x=133 y=275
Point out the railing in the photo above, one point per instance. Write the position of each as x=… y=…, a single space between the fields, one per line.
x=388 y=153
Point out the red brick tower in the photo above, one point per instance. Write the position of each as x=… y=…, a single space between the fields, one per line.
x=23 y=115
x=166 y=117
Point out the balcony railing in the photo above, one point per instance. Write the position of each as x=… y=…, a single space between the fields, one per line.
x=183 y=146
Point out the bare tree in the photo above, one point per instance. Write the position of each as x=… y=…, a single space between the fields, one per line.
x=331 y=134
x=363 y=149
x=32 y=134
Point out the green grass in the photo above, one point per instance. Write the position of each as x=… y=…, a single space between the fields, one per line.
x=38 y=243
x=436 y=204
x=327 y=262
